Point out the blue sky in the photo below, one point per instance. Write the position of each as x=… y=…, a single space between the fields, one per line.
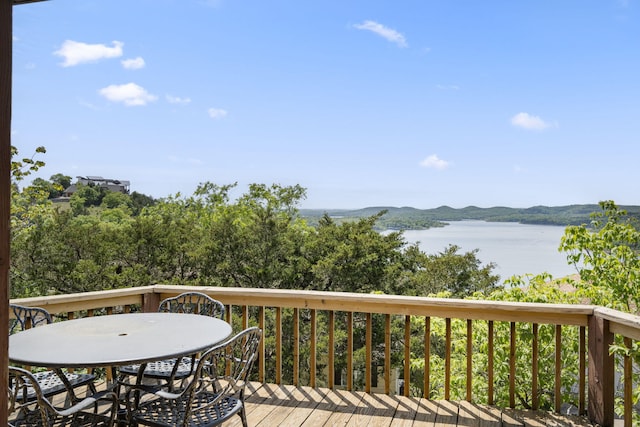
x=364 y=103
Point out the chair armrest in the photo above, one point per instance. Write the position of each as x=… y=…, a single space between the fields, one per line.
x=90 y=401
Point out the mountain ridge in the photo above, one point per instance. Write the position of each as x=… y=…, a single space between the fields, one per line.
x=408 y=217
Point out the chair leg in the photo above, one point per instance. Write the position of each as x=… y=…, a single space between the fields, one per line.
x=243 y=416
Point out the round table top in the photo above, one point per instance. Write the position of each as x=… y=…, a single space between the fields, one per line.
x=117 y=339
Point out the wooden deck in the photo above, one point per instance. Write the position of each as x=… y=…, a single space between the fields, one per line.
x=272 y=405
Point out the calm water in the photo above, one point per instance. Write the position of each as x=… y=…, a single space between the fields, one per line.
x=514 y=248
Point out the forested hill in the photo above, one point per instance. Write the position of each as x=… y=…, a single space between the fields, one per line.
x=414 y=219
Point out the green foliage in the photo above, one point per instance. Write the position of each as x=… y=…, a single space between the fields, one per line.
x=606 y=253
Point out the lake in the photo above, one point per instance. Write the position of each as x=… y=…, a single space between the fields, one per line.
x=514 y=248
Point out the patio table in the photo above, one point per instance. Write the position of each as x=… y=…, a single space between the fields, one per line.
x=115 y=340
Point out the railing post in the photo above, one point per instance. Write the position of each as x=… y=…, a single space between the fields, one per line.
x=6 y=45
x=150 y=302
x=601 y=372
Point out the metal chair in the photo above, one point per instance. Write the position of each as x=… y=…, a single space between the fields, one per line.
x=172 y=369
x=98 y=410
x=213 y=394
x=51 y=382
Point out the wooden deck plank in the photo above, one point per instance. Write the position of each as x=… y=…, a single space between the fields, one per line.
x=474 y=415
x=447 y=415
x=344 y=404
x=288 y=406
x=511 y=418
x=375 y=410
x=405 y=411
x=426 y=413
x=261 y=400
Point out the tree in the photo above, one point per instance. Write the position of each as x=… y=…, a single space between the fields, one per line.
x=64 y=181
x=461 y=275
x=606 y=254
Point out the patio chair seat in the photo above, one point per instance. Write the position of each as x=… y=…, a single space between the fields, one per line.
x=162 y=369
x=170 y=413
x=51 y=383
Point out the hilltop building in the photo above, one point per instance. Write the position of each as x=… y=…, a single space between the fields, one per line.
x=115 y=185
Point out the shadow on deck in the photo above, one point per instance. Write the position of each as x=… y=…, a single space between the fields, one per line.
x=273 y=405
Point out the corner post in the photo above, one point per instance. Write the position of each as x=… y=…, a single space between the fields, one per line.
x=150 y=302
x=601 y=372
x=6 y=52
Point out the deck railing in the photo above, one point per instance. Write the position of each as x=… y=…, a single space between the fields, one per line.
x=326 y=329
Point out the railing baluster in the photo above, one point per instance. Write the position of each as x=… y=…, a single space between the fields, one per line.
x=535 y=400
x=469 y=359
x=312 y=350
x=331 y=358
x=387 y=353
x=261 y=349
x=512 y=366
x=407 y=355
x=583 y=369
x=490 y=362
x=447 y=360
x=628 y=385
x=296 y=347
x=427 y=356
x=278 y=360
x=369 y=353
x=558 y=373
x=228 y=314
x=349 y=351
x=245 y=316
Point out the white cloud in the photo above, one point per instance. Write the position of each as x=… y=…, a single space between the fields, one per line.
x=217 y=113
x=177 y=100
x=434 y=162
x=133 y=64
x=75 y=53
x=130 y=94
x=529 y=122
x=448 y=87
x=387 y=33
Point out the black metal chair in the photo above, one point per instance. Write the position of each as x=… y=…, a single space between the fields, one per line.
x=51 y=382
x=173 y=369
x=213 y=394
x=97 y=410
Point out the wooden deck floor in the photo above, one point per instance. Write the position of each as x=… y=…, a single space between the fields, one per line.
x=271 y=405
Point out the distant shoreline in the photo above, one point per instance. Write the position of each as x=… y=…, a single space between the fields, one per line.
x=407 y=218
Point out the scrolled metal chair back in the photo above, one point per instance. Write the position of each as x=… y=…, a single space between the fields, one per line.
x=27 y=317
x=194 y=303
x=225 y=368
x=22 y=383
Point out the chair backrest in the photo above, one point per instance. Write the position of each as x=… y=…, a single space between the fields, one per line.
x=21 y=384
x=193 y=302
x=27 y=317
x=226 y=367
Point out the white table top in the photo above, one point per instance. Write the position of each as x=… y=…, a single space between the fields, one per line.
x=117 y=339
